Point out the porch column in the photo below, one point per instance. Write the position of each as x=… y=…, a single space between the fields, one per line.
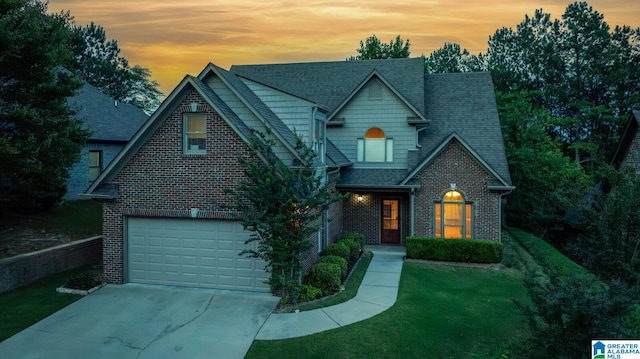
x=412 y=211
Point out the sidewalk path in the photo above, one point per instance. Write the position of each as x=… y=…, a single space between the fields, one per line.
x=378 y=291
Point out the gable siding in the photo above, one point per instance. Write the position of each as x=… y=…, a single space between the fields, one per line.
x=455 y=165
x=161 y=181
x=294 y=112
x=247 y=116
x=389 y=114
x=632 y=157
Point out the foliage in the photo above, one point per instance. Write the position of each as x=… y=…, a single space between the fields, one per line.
x=547 y=182
x=373 y=49
x=451 y=58
x=281 y=206
x=308 y=293
x=82 y=280
x=612 y=224
x=354 y=249
x=338 y=249
x=355 y=236
x=339 y=261
x=325 y=276
x=569 y=311
x=39 y=138
x=99 y=62
x=586 y=75
x=454 y=250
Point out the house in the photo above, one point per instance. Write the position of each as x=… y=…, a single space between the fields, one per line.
x=627 y=154
x=112 y=125
x=418 y=154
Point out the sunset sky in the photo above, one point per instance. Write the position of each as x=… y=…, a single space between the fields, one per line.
x=179 y=37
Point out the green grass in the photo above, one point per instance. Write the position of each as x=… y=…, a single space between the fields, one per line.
x=26 y=306
x=441 y=312
x=350 y=288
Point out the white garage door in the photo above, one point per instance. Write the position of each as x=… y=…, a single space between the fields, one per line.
x=192 y=253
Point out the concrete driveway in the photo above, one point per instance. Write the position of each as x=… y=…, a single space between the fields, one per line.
x=131 y=321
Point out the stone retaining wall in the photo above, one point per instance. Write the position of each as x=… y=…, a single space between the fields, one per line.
x=26 y=268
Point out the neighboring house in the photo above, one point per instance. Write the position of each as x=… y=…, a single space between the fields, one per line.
x=627 y=154
x=112 y=125
x=419 y=155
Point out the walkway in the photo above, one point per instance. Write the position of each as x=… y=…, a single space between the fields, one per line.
x=378 y=291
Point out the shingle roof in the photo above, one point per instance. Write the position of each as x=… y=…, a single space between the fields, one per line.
x=335 y=156
x=626 y=139
x=369 y=177
x=464 y=103
x=100 y=115
x=329 y=83
x=264 y=111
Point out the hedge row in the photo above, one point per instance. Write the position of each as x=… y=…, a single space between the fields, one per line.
x=454 y=250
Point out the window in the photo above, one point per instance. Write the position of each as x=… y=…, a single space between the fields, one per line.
x=375 y=147
x=195 y=134
x=95 y=166
x=318 y=139
x=453 y=216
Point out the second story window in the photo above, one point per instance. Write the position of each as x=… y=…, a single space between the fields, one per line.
x=375 y=147
x=195 y=134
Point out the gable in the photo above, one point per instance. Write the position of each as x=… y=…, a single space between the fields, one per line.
x=161 y=176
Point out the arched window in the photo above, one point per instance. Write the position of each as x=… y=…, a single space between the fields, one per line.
x=453 y=216
x=375 y=147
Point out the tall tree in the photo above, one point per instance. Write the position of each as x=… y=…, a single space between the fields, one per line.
x=587 y=75
x=281 y=206
x=99 y=62
x=373 y=49
x=547 y=182
x=39 y=139
x=452 y=58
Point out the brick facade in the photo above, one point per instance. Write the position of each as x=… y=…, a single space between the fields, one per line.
x=363 y=214
x=161 y=181
x=456 y=165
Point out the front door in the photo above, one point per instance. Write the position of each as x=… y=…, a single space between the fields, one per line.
x=390 y=221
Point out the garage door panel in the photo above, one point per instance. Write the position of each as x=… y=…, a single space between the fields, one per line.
x=195 y=253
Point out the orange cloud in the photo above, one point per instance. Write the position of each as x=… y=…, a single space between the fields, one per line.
x=173 y=38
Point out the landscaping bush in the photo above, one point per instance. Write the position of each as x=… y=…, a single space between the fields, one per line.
x=307 y=293
x=325 y=276
x=83 y=281
x=355 y=236
x=338 y=249
x=354 y=249
x=341 y=262
x=454 y=250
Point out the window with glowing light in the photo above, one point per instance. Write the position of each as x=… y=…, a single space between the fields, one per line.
x=375 y=147
x=453 y=216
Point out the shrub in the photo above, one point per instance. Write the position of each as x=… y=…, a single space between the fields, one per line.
x=354 y=249
x=307 y=293
x=341 y=262
x=338 y=249
x=355 y=236
x=454 y=250
x=83 y=281
x=325 y=276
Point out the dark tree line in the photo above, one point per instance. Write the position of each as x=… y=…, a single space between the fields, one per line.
x=43 y=60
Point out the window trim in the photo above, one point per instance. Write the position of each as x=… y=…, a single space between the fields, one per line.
x=361 y=146
x=185 y=134
x=467 y=220
x=99 y=166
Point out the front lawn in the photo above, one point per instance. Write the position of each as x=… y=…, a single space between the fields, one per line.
x=442 y=312
x=23 y=307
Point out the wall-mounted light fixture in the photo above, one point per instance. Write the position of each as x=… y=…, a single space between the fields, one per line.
x=194 y=212
x=359 y=197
